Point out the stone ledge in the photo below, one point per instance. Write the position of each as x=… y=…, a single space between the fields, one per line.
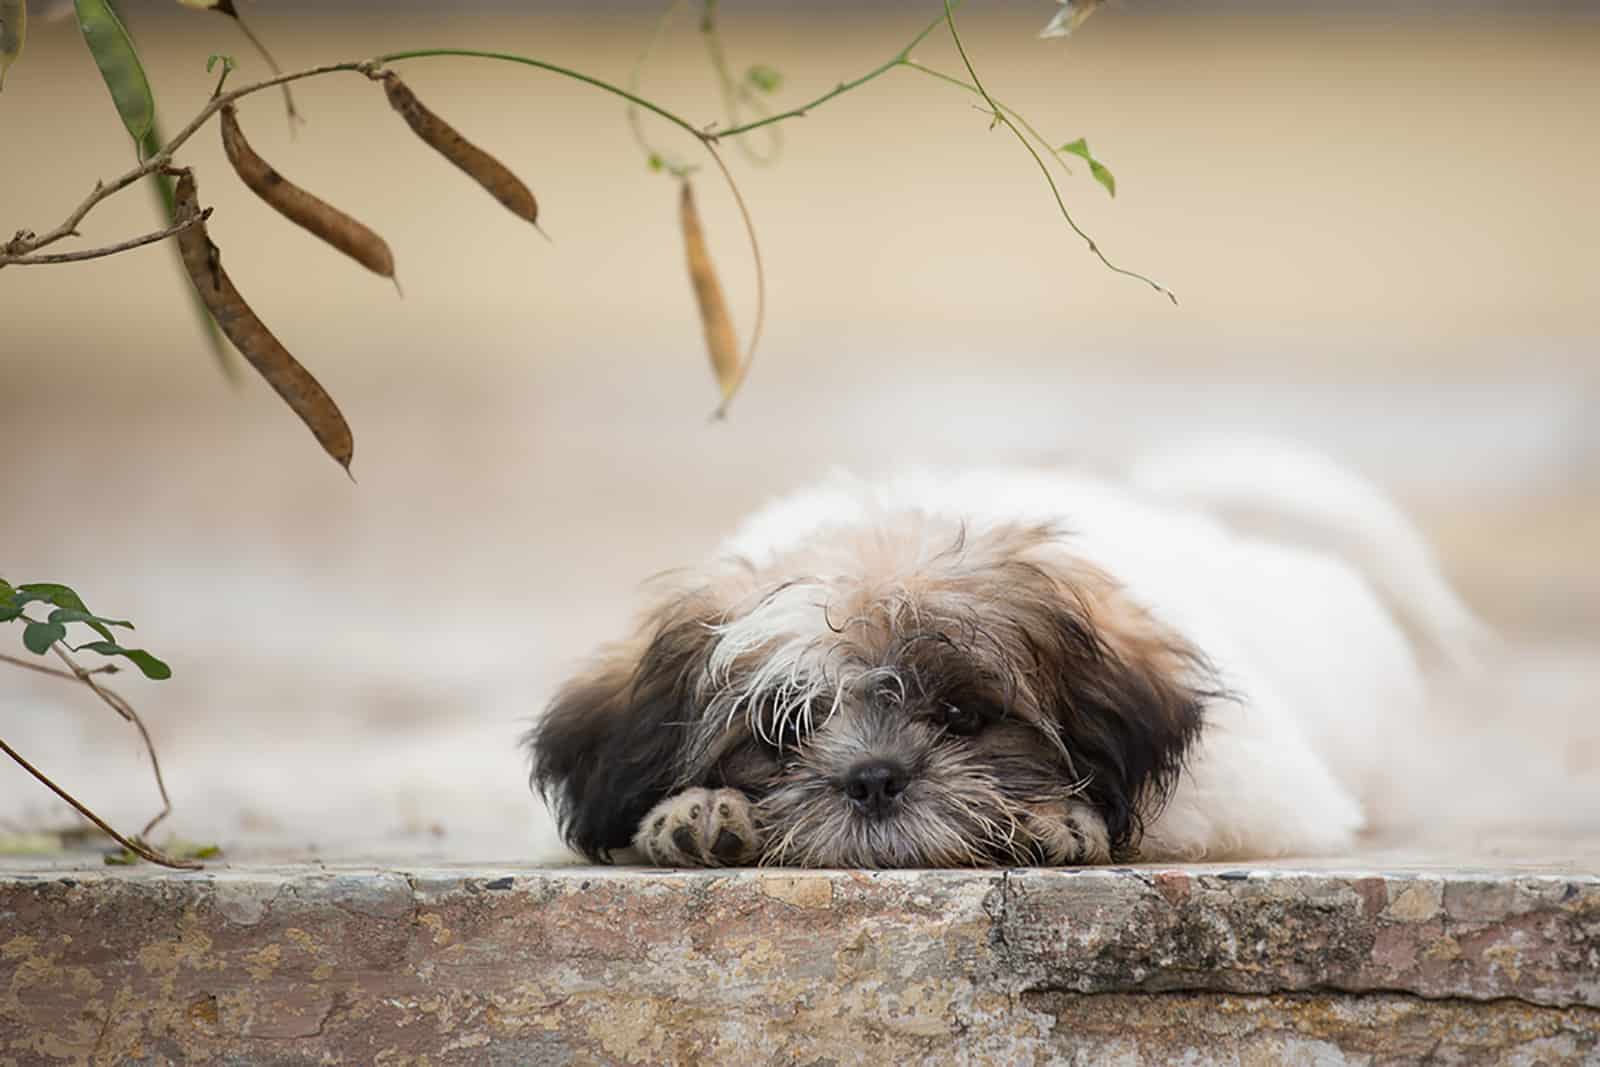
x=519 y=965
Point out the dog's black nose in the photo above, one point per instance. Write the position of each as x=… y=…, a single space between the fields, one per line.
x=873 y=784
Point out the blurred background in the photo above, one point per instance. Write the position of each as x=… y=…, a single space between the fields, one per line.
x=1379 y=220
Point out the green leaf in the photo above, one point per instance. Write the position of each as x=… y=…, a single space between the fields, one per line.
x=763 y=78
x=37 y=637
x=95 y=622
x=227 y=62
x=1101 y=172
x=13 y=31
x=51 y=593
x=166 y=194
x=1103 y=176
x=5 y=589
x=75 y=615
x=149 y=665
x=119 y=65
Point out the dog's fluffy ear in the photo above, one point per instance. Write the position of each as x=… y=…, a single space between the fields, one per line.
x=609 y=747
x=1128 y=702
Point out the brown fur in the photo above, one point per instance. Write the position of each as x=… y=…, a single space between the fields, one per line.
x=776 y=681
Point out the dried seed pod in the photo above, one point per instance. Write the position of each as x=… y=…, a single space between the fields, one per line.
x=304 y=395
x=300 y=207
x=714 y=317
x=483 y=168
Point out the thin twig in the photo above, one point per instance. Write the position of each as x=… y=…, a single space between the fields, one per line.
x=272 y=65
x=734 y=93
x=1038 y=137
x=134 y=845
x=1001 y=117
x=635 y=75
x=761 y=285
x=54 y=672
x=842 y=87
x=109 y=250
x=24 y=243
x=119 y=705
x=568 y=72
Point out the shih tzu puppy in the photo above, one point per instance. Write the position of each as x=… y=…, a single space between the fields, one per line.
x=1220 y=657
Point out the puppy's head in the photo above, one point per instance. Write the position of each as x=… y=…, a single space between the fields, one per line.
x=910 y=693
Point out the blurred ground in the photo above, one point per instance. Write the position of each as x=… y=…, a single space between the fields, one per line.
x=1381 y=228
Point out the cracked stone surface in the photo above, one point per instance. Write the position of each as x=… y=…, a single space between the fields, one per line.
x=444 y=965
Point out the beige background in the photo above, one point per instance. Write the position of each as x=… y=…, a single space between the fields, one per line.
x=1381 y=228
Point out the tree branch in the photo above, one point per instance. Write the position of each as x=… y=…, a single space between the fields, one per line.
x=25 y=241
x=109 y=250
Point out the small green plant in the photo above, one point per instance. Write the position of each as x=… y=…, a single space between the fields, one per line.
x=48 y=635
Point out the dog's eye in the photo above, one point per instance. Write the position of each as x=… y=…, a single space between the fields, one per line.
x=783 y=737
x=964 y=718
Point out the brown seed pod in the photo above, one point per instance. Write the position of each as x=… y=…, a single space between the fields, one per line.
x=714 y=317
x=304 y=395
x=483 y=168
x=300 y=207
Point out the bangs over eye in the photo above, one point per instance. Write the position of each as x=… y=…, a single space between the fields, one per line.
x=966 y=714
x=782 y=730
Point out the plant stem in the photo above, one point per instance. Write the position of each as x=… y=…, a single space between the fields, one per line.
x=54 y=672
x=272 y=65
x=940 y=75
x=632 y=111
x=843 y=87
x=119 y=705
x=109 y=250
x=734 y=93
x=133 y=845
x=1001 y=117
x=567 y=72
x=761 y=287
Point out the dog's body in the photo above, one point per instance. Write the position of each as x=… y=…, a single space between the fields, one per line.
x=1013 y=667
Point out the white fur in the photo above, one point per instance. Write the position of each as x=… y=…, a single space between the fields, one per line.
x=1311 y=636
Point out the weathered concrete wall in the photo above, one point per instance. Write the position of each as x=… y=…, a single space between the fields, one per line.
x=439 y=966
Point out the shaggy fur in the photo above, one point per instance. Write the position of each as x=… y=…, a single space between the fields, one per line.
x=994 y=669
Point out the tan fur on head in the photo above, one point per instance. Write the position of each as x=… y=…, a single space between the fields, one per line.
x=912 y=691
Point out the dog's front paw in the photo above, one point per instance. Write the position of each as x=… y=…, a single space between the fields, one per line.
x=699 y=828
x=1069 y=833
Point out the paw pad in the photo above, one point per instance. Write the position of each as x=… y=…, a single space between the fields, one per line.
x=700 y=828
